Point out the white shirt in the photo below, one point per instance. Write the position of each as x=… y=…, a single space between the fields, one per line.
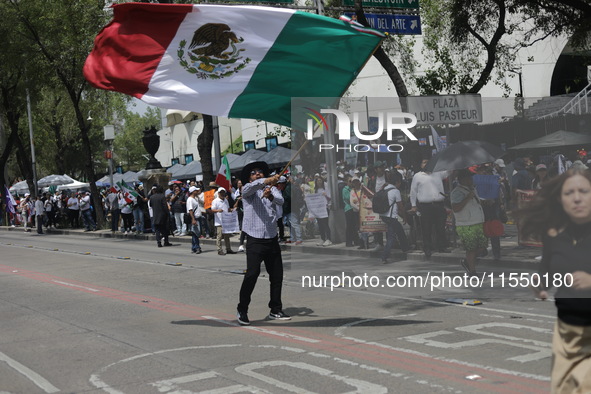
x=472 y=212
x=85 y=203
x=193 y=205
x=393 y=198
x=427 y=187
x=39 y=207
x=73 y=203
x=125 y=206
x=216 y=204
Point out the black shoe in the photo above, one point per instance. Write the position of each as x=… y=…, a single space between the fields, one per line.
x=427 y=255
x=159 y=245
x=221 y=253
x=243 y=319
x=167 y=244
x=198 y=251
x=279 y=316
x=230 y=252
x=385 y=261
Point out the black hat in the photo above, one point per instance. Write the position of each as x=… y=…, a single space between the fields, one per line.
x=245 y=174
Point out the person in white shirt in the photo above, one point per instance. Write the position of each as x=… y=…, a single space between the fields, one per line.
x=126 y=213
x=39 y=214
x=395 y=229
x=218 y=206
x=86 y=212
x=49 y=210
x=469 y=217
x=427 y=196
x=73 y=210
x=194 y=210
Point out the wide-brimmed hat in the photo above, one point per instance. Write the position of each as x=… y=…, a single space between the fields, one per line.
x=245 y=174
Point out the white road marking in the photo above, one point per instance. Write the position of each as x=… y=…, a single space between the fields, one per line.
x=33 y=376
x=361 y=385
x=264 y=330
x=76 y=286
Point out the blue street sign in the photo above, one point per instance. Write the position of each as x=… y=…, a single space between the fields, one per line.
x=395 y=24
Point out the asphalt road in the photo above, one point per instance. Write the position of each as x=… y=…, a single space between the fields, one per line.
x=94 y=315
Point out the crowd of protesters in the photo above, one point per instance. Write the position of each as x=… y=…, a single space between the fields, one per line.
x=421 y=210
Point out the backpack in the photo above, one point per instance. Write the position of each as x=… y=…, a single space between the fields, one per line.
x=380 y=203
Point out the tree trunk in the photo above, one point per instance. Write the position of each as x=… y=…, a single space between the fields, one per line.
x=385 y=60
x=204 y=145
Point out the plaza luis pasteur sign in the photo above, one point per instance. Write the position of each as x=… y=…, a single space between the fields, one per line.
x=446 y=109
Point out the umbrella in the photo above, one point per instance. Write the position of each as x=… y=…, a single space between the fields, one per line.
x=54 y=180
x=464 y=154
x=20 y=187
x=556 y=139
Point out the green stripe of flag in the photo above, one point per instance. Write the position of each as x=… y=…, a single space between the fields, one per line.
x=330 y=63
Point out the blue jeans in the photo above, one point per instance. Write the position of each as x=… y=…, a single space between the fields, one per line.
x=395 y=230
x=295 y=229
x=88 y=222
x=138 y=218
x=195 y=233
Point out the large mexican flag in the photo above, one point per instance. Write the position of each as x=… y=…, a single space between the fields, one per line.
x=234 y=61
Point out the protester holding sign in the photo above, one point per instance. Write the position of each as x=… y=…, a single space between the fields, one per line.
x=219 y=206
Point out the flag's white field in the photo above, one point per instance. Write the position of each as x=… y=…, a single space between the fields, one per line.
x=236 y=61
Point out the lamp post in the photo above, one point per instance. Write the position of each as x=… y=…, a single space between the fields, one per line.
x=109 y=135
x=231 y=139
x=521 y=99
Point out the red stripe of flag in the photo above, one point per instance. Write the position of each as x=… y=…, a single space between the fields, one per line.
x=129 y=39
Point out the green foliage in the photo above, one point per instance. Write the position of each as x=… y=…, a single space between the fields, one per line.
x=128 y=146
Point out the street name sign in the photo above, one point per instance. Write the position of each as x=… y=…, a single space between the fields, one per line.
x=408 y=4
x=409 y=25
x=445 y=109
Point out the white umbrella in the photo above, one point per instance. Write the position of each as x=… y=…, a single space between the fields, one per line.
x=19 y=187
x=74 y=186
x=55 y=180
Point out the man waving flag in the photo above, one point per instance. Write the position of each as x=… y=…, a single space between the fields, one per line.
x=235 y=61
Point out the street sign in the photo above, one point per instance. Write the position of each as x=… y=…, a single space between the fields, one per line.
x=409 y=25
x=412 y=4
x=445 y=109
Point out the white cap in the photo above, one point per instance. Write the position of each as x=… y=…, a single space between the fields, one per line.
x=282 y=179
x=221 y=189
x=27 y=194
x=192 y=189
x=500 y=163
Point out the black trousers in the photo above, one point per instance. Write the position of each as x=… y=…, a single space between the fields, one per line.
x=352 y=231
x=257 y=251
x=433 y=217
x=161 y=230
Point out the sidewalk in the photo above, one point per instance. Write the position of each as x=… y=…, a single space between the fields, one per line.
x=512 y=255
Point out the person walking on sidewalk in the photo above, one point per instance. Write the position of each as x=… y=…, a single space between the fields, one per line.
x=194 y=211
x=469 y=216
x=85 y=210
x=394 y=229
x=161 y=214
x=219 y=206
x=565 y=231
x=260 y=198
x=39 y=211
x=427 y=196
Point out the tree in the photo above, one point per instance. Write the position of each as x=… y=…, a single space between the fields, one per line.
x=128 y=145
x=63 y=34
x=204 y=144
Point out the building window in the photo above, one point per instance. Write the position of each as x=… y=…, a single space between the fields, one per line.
x=174 y=161
x=248 y=145
x=271 y=143
x=188 y=158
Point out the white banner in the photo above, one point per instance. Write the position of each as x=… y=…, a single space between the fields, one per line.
x=230 y=223
x=316 y=204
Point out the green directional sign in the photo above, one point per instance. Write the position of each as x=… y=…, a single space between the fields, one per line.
x=414 y=4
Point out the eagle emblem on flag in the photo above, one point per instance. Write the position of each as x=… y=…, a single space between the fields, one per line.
x=213 y=52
